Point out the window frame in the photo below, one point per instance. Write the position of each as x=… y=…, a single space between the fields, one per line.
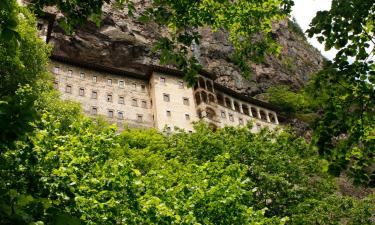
x=68 y=87
x=186 y=101
x=81 y=91
x=94 y=94
x=166 y=97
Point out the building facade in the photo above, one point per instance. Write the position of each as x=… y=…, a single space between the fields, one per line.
x=159 y=98
x=153 y=97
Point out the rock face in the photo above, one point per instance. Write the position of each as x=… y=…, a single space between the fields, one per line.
x=122 y=41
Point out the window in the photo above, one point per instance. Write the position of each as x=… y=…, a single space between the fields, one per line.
x=94 y=111
x=162 y=80
x=120 y=115
x=82 y=75
x=143 y=87
x=81 y=91
x=68 y=89
x=110 y=113
x=240 y=121
x=166 y=97
x=190 y=131
x=134 y=102
x=121 y=83
x=181 y=84
x=186 y=101
x=134 y=86
x=94 y=94
x=168 y=113
x=94 y=78
x=144 y=104
x=70 y=73
x=187 y=116
x=121 y=100
x=139 y=118
x=109 y=97
x=231 y=118
x=109 y=81
x=223 y=114
x=168 y=129
x=259 y=126
x=56 y=70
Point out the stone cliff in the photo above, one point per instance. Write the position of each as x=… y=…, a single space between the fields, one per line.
x=122 y=41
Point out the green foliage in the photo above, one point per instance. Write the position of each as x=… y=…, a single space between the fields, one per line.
x=20 y=67
x=9 y=13
x=289 y=102
x=336 y=210
x=345 y=130
x=67 y=174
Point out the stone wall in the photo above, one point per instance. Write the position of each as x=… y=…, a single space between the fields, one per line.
x=158 y=100
x=117 y=98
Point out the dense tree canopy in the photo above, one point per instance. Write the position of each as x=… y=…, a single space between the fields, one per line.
x=346 y=88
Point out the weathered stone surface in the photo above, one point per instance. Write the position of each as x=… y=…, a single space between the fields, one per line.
x=121 y=41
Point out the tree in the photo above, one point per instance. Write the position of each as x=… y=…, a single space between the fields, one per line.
x=345 y=133
x=23 y=61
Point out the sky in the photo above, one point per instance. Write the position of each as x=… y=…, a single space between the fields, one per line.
x=304 y=11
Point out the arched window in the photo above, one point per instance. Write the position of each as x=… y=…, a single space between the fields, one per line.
x=263 y=115
x=237 y=106
x=211 y=98
x=210 y=113
x=209 y=86
x=197 y=98
x=195 y=86
x=212 y=126
x=254 y=112
x=220 y=99
x=199 y=113
x=272 y=118
x=228 y=103
x=245 y=109
x=204 y=96
x=201 y=83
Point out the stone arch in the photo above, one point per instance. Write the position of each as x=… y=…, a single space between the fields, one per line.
x=199 y=113
x=210 y=113
x=211 y=98
x=263 y=115
x=220 y=99
x=245 y=109
x=196 y=86
x=254 y=112
x=212 y=126
x=237 y=106
x=204 y=97
x=272 y=117
x=198 y=98
x=228 y=102
x=209 y=86
x=202 y=83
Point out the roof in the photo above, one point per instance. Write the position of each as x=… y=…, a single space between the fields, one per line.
x=100 y=68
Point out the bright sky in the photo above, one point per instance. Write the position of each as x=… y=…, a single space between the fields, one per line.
x=304 y=11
